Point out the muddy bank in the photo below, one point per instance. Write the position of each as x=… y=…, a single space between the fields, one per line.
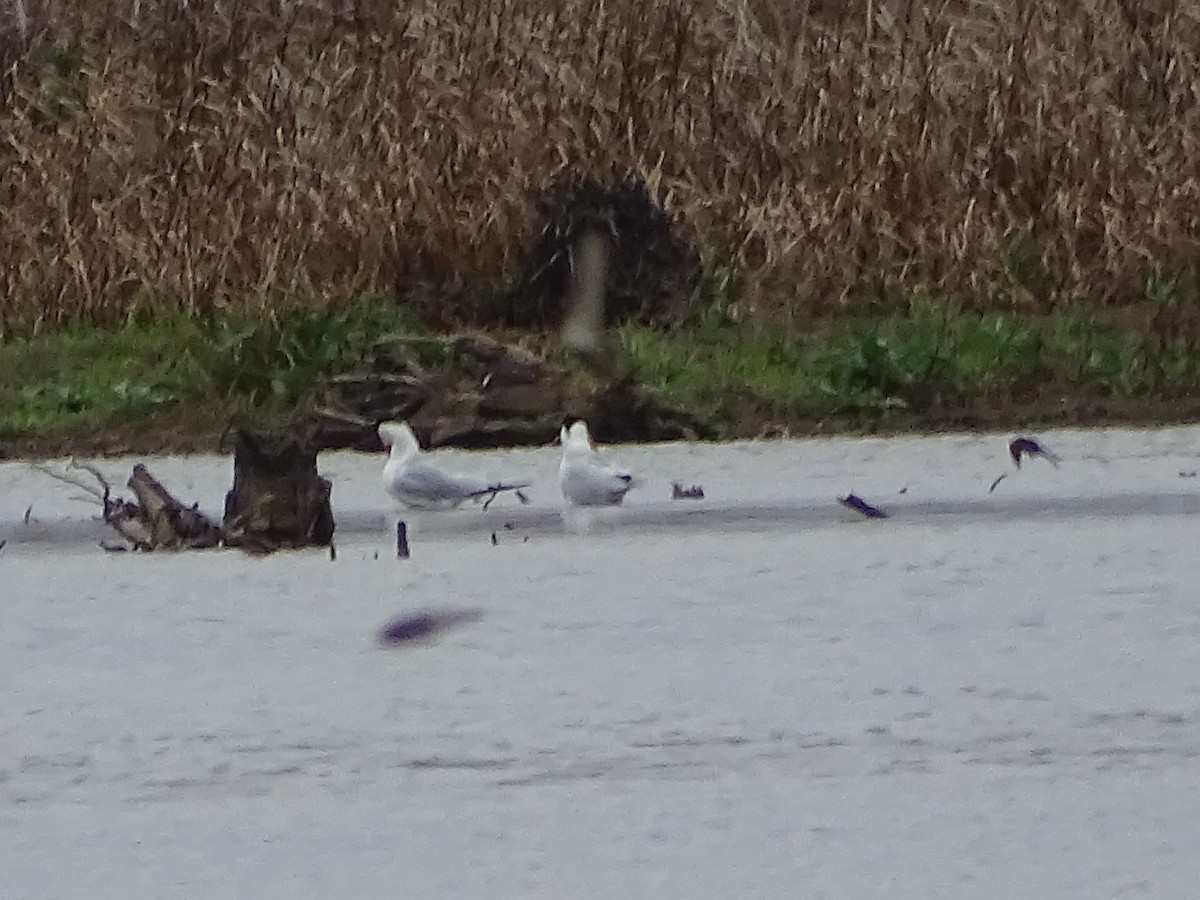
x=474 y=391
x=192 y=429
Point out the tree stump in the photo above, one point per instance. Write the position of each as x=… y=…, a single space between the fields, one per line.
x=278 y=500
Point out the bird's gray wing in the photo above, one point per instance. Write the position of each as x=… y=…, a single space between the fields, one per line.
x=430 y=483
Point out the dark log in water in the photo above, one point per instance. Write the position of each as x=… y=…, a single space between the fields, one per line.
x=278 y=499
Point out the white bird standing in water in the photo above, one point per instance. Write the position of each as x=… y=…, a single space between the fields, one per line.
x=585 y=479
x=417 y=484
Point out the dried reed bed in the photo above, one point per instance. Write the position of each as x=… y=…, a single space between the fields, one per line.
x=233 y=152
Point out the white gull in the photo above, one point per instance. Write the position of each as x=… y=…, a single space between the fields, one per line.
x=412 y=480
x=586 y=480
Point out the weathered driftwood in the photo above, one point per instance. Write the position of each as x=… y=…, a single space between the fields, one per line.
x=278 y=499
x=156 y=521
x=170 y=525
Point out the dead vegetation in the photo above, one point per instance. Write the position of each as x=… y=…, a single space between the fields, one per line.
x=1031 y=153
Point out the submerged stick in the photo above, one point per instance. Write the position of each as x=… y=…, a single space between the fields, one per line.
x=401 y=540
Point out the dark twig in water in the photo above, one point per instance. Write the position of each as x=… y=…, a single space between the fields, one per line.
x=679 y=492
x=401 y=540
x=424 y=625
x=494 y=541
x=493 y=490
x=28 y=512
x=999 y=478
x=856 y=503
x=2 y=543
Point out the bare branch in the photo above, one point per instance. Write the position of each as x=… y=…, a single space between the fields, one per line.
x=98 y=493
x=96 y=473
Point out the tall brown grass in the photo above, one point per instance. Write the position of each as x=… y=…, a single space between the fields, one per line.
x=212 y=153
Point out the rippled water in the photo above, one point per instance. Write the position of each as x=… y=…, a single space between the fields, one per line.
x=755 y=695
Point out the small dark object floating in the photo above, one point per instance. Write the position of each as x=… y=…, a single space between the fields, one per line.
x=858 y=504
x=422 y=625
x=401 y=541
x=1026 y=446
x=679 y=492
x=2 y=543
x=1029 y=447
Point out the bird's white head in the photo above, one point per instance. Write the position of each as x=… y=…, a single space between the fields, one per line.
x=576 y=439
x=399 y=439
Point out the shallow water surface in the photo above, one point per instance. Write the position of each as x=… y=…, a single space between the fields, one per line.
x=759 y=694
